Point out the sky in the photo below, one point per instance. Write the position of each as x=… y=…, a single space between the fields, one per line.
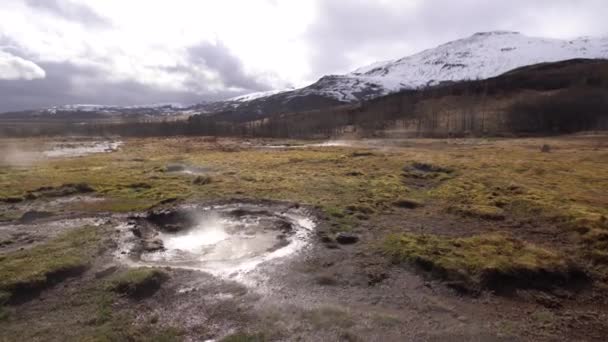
x=128 y=52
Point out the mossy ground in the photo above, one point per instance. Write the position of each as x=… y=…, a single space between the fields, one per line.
x=490 y=185
x=38 y=267
x=478 y=260
x=484 y=179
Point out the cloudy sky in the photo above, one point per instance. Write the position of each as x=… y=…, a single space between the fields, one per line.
x=55 y=52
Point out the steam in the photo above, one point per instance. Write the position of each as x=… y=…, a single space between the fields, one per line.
x=14 y=156
x=82 y=149
x=209 y=230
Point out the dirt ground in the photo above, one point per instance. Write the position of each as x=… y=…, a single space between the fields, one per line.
x=455 y=192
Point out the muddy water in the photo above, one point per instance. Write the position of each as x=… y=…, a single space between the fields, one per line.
x=329 y=143
x=229 y=241
x=78 y=149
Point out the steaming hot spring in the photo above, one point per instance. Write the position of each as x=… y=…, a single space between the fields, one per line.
x=227 y=240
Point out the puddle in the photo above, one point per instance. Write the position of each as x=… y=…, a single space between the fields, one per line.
x=330 y=143
x=333 y=143
x=187 y=169
x=229 y=241
x=78 y=149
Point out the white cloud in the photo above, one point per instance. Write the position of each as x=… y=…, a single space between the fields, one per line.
x=17 y=68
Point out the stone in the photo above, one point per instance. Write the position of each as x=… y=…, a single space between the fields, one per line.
x=347 y=238
x=153 y=245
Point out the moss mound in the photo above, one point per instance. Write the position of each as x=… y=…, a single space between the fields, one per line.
x=137 y=282
x=492 y=261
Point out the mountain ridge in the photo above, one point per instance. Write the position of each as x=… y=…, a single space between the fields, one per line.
x=480 y=56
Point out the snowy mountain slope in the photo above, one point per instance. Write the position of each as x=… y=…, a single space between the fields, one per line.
x=257 y=95
x=479 y=56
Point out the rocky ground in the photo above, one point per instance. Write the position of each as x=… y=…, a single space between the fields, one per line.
x=422 y=240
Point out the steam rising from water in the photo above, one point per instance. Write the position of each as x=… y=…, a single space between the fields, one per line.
x=229 y=245
x=210 y=230
x=13 y=155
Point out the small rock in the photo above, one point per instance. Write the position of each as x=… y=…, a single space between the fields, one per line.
x=324 y=237
x=153 y=245
x=332 y=245
x=172 y=228
x=376 y=276
x=347 y=238
x=547 y=301
x=285 y=226
x=136 y=230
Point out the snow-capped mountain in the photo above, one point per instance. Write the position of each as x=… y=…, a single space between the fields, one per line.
x=257 y=95
x=480 y=56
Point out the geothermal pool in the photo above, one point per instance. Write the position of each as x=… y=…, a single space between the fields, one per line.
x=229 y=241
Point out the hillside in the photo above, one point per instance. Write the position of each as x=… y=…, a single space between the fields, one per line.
x=547 y=98
x=480 y=56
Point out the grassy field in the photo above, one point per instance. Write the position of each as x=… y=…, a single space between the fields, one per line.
x=566 y=188
x=519 y=211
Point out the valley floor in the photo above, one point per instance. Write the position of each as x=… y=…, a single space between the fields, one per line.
x=418 y=239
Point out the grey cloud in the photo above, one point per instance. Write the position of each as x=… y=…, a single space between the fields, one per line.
x=69 y=10
x=14 y=68
x=342 y=30
x=229 y=68
x=58 y=88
